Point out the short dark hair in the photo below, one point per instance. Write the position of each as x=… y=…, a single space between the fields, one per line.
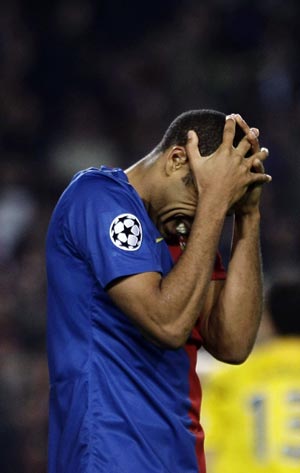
x=208 y=124
x=283 y=302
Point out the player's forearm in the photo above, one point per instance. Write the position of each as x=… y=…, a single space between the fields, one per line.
x=183 y=291
x=232 y=327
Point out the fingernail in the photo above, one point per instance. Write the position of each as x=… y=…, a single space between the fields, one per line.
x=190 y=134
x=269 y=177
x=255 y=131
x=230 y=117
x=241 y=118
x=265 y=150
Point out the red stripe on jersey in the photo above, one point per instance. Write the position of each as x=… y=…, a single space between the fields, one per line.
x=176 y=252
x=219 y=270
x=192 y=346
x=195 y=400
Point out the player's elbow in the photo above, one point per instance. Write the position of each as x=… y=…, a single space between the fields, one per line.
x=239 y=354
x=166 y=336
x=234 y=353
x=172 y=338
x=241 y=350
x=233 y=358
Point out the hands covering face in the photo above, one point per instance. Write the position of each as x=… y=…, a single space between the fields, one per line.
x=227 y=175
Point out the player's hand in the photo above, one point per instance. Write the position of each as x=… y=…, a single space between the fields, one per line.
x=251 y=199
x=252 y=134
x=226 y=174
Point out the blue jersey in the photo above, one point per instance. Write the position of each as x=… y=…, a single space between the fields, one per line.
x=118 y=403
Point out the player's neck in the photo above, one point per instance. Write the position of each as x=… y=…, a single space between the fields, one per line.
x=143 y=176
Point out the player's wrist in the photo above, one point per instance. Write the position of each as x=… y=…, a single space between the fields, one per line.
x=212 y=205
x=250 y=217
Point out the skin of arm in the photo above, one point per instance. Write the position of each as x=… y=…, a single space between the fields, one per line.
x=230 y=328
x=232 y=315
x=166 y=308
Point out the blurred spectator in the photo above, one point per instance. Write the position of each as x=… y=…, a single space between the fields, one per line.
x=252 y=412
x=83 y=139
x=17 y=208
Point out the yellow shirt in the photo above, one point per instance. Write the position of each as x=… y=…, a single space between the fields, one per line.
x=251 y=412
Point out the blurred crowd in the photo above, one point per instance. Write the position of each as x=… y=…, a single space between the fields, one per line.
x=85 y=83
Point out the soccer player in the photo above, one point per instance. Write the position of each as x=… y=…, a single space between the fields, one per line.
x=123 y=320
x=252 y=412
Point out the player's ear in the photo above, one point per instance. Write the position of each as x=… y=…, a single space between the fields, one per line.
x=176 y=158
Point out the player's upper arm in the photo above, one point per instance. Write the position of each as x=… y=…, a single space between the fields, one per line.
x=137 y=297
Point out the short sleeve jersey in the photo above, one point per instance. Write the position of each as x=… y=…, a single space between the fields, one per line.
x=251 y=413
x=118 y=403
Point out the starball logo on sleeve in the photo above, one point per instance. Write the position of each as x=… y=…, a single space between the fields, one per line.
x=126 y=232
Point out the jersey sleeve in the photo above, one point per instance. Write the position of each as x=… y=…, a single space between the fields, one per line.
x=108 y=227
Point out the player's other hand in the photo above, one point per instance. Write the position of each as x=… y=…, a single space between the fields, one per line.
x=226 y=174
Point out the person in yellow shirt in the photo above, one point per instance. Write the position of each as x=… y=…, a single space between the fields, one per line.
x=251 y=413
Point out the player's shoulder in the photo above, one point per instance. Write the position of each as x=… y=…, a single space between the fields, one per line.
x=98 y=183
x=104 y=176
x=282 y=353
x=98 y=188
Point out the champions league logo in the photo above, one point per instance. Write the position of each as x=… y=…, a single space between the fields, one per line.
x=126 y=232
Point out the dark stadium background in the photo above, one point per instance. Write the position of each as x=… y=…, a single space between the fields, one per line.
x=86 y=82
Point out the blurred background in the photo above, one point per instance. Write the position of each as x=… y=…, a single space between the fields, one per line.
x=85 y=83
